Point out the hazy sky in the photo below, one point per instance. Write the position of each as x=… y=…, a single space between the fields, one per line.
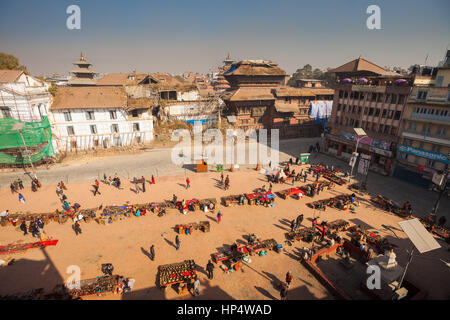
x=176 y=36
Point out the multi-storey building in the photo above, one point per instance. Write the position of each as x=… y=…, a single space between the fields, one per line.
x=369 y=97
x=424 y=145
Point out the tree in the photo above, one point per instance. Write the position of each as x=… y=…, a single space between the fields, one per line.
x=307 y=72
x=9 y=62
x=52 y=89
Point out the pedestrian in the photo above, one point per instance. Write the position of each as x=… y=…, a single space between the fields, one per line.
x=174 y=199
x=219 y=216
x=64 y=197
x=76 y=228
x=13 y=189
x=297 y=160
x=66 y=206
x=290 y=161
x=227 y=182
x=317 y=147
x=104 y=177
x=210 y=269
x=293 y=181
x=23 y=227
x=304 y=177
x=318 y=189
x=293 y=225
x=153 y=180
x=288 y=278
x=152 y=252
x=143 y=184
x=196 y=290
x=188 y=183
x=96 y=186
x=21 y=198
x=136 y=184
x=299 y=220
x=270 y=186
x=34 y=230
x=221 y=178
x=283 y=292
x=20 y=182
x=177 y=242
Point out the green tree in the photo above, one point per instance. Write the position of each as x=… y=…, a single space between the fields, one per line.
x=9 y=62
x=52 y=89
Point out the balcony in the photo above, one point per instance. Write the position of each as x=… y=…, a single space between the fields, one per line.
x=426 y=137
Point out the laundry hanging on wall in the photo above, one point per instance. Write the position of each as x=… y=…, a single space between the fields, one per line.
x=320 y=109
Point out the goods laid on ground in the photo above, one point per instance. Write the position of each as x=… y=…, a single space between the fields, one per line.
x=390 y=206
x=303 y=234
x=189 y=227
x=334 y=178
x=174 y=273
x=381 y=244
x=308 y=189
x=260 y=198
x=332 y=202
x=334 y=226
x=439 y=231
x=232 y=200
x=22 y=247
x=109 y=214
x=357 y=187
x=97 y=286
x=296 y=193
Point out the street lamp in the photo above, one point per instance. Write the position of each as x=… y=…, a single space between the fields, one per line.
x=442 y=185
x=360 y=133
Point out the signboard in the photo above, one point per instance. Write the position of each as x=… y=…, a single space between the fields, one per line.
x=438 y=179
x=364 y=164
x=304 y=157
x=424 y=154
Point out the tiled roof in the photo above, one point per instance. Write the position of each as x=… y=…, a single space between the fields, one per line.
x=89 y=98
x=9 y=75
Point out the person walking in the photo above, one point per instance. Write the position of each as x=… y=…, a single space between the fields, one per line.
x=221 y=178
x=304 y=177
x=210 y=269
x=143 y=184
x=20 y=182
x=23 y=227
x=293 y=225
x=283 y=292
x=288 y=278
x=34 y=230
x=152 y=252
x=174 y=199
x=227 y=182
x=219 y=216
x=76 y=228
x=299 y=220
x=270 y=187
x=188 y=183
x=196 y=290
x=96 y=186
x=153 y=180
x=177 y=242
x=21 y=198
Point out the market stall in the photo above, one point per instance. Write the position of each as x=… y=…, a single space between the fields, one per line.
x=190 y=227
x=170 y=274
x=296 y=193
x=23 y=247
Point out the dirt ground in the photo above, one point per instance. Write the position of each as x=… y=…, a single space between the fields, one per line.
x=126 y=243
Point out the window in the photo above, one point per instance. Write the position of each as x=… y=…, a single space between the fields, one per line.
x=380 y=98
x=430 y=163
x=67 y=116
x=397 y=115
x=422 y=94
x=390 y=114
x=394 y=131
x=386 y=129
x=371 y=111
x=380 y=129
x=359 y=110
x=341 y=93
x=357 y=124
x=387 y=98
x=93 y=129
x=435 y=148
x=394 y=99
x=345 y=94
x=351 y=95
x=439 y=81
x=366 y=110
x=6 y=112
x=356 y=95
x=374 y=97
x=136 y=127
x=90 y=115
x=383 y=114
x=401 y=99
x=354 y=109
x=412 y=126
x=70 y=131
x=441 y=131
x=426 y=129
x=134 y=113
x=377 y=112
x=114 y=128
x=339 y=107
x=113 y=114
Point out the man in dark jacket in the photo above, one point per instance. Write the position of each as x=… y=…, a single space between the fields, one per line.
x=23 y=227
x=177 y=242
x=152 y=252
x=210 y=269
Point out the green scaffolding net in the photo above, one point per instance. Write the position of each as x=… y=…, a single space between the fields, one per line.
x=37 y=136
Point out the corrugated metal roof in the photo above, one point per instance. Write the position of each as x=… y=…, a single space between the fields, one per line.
x=419 y=236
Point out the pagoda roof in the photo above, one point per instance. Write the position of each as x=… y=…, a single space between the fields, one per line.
x=362 y=66
x=255 y=68
x=248 y=94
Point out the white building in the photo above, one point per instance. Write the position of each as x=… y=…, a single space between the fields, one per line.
x=92 y=116
x=22 y=96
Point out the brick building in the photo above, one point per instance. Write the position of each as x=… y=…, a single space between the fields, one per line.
x=369 y=97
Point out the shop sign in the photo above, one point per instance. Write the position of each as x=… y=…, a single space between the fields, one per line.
x=424 y=154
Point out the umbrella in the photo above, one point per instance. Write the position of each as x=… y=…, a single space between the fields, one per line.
x=346 y=80
x=362 y=80
x=400 y=81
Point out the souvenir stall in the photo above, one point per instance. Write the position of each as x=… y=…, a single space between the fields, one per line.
x=302 y=234
x=97 y=286
x=379 y=243
x=232 y=200
x=160 y=209
x=329 y=175
x=190 y=227
x=208 y=205
x=441 y=232
x=332 y=202
x=23 y=247
x=189 y=205
x=390 y=206
x=176 y=273
x=261 y=198
x=295 y=193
